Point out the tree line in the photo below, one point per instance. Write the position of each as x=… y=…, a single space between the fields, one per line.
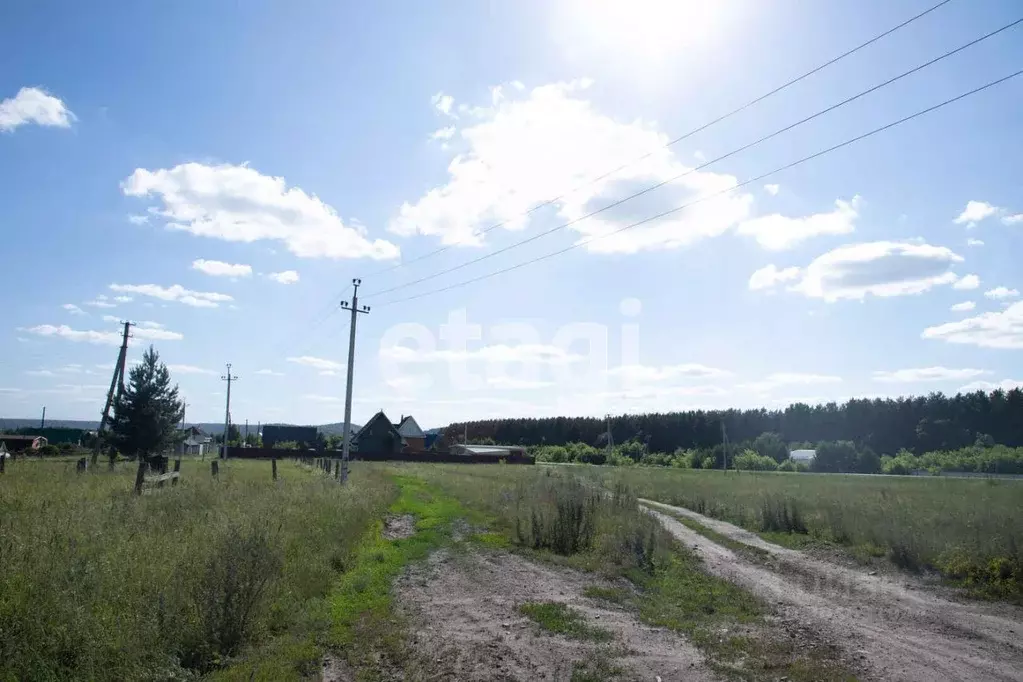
x=919 y=424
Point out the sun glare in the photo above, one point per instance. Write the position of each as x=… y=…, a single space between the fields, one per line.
x=648 y=28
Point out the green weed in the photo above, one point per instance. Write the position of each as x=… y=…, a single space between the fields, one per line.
x=563 y=620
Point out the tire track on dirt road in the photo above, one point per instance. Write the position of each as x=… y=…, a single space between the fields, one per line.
x=897 y=633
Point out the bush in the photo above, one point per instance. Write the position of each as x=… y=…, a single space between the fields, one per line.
x=751 y=461
x=48 y=451
x=793 y=465
x=229 y=593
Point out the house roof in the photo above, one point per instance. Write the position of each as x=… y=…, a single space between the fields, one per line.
x=803 y=455
x=11 y=436
x=365 y=427
x=408 y=428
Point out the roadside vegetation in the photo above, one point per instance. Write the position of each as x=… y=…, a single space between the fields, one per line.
x=553 y=516
x=203 y=578
x=970 y=531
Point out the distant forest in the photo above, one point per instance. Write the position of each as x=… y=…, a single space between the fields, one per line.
x=919 y=424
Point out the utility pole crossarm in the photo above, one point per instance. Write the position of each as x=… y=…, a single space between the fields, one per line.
x=355 y=310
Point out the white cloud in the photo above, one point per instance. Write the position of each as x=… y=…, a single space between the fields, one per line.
x=777 y=232
x=1001 y=293
x=176 y=292
x=39 y=372
x=123 y=299
x=109 y=338
x=790 y=379
x=904 y=376
x=881 y=269
x=33 y=105
x=101 y=301
x=443 y=103
x=1013 y=219
x=498 y=353
x=503 y=383
x=269 y=373
x=239 y=204
x=138 y=219
x=974 y=242
x=965 y=306
x=286 y=277
x=967 y=282
x=988 y=386
x=647 y=373
x=1003 y=329
x=974 y=212
x=189 y=369
x=768 y=277
x=73 y=309
x=318 y=363
x=221 y=269
x=497 y=179
x=660 y=393
x=443 y=133
x=772 y=189
x=322 y=398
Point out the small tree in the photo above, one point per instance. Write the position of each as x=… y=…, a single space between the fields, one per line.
x=147 y=413
x=771 y=445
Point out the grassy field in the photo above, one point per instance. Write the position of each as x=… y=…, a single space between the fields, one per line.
x=970 y=530
x=210 y=576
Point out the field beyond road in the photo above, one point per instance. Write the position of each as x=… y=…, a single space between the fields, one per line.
x=462 y=572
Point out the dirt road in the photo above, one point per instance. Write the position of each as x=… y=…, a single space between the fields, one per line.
x=464 y=607
x=897 y=630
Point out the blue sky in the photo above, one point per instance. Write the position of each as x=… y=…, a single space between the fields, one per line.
x=230 y=167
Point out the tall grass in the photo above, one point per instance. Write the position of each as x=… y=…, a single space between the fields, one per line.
x=970 y=530
x=98 y=584
x=553 y=511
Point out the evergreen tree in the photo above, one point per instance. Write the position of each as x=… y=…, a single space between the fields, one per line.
x=147 y=413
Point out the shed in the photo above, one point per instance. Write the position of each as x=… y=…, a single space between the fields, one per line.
x=489 y=450
x=803 y=455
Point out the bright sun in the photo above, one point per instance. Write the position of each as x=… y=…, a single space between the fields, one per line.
x=647 y=28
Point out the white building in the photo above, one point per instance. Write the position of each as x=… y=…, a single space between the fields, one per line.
x=806 y=456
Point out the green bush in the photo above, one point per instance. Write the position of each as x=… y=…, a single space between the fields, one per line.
x=749 y=460
x=793 y=465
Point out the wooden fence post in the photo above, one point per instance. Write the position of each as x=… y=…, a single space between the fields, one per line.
x=177 y=470
x=162 y=471
x=273 y=463
x=337 y=469
x=215 y=469
x=3 y=462
x=140 y=476
x=81 y=465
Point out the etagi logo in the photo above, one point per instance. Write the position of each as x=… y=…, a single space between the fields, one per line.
x=512 y=355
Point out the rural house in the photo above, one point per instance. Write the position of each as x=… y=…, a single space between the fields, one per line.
x=378 y=435
x=414 y=436
x=16 y=444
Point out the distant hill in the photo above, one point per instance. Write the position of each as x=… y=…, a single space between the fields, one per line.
x=335 y=429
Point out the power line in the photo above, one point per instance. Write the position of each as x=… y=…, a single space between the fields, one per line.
x=780 y=169
x=690 y=171
x=676 y=140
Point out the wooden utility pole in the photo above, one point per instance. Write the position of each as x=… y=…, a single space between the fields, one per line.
x=610 y=438
x=116 y=384
x=42 y=420
x=355 y=309
x=227 y=410
x=724 y=447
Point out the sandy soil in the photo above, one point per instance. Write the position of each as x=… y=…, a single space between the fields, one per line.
x=897 y=630
x=463 y=608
